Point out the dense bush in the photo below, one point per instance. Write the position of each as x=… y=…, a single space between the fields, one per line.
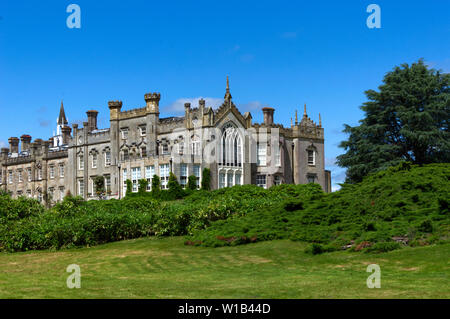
x=407 y=204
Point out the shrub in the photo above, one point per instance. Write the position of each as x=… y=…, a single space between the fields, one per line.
x=192 y=182
x=175 y=189
x=382 y=247
x=206 y=179
x=426 y=226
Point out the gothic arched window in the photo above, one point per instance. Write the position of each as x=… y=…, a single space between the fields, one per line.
x=231 y=146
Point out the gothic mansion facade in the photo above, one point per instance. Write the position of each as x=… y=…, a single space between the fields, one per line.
x=139 y=144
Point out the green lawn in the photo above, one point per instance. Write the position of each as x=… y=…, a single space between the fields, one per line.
x=165 y=268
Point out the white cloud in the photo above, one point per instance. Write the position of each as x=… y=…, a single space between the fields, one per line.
x=251 y=106
x=330 y=161
x=178 y=105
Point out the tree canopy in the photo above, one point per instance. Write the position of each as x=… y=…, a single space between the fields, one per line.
x=406 y=120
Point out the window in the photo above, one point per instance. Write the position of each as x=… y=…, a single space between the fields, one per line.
x=143 y=130
x=61 y=170
x=230 y=179
x=29 y=193
x=39 y=197
x=143 y=151
x=164 y=175
x=30 y=177
x=195 y=145
x=221 y=180
x=81 y=162
x=19 y=193
x=107 y=158
x=197 y=174
x=231 y=152
x=1 y=176
x=94 y=160
x=81 y=187
x=277 y=180
x=278 y=155
x=311 y=178
x=181 y=148
x=311 y=157
x=125 y=155
x=10 y=177
x=39 y=173
x=135 y=177
x=19 y=173
x=149 y=172
x=52 y=171
x=165 y=149
x=261 y=153
x=124 y=132
x=183 y=175
x=125 y=176
x=261 y=181
x=107 y=183
x=61 y=193
x=51 y=192
x=237 y=179
x=91 y=186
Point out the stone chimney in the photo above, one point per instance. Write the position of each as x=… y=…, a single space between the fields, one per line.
x=25 y=142
x=114 y=109
x=13 y=145
x=268 y=115
x=152 y=102
x=92 y=120
x=4 y=152
x=65 y=131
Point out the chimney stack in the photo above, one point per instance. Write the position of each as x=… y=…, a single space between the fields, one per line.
x=66 y=130
x=92 y=120
x=13 y=145
x=268 y=115
x=25 y=145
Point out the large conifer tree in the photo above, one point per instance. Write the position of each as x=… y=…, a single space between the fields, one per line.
x=406 y=120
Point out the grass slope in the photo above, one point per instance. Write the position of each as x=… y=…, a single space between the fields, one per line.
x=407 y=201
x=165 y=268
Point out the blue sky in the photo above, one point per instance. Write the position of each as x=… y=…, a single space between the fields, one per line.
x=277 y=53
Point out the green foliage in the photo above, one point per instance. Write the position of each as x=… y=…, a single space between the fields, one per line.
x=406 y=120
x=192 y=182
x=384 y=206
x=143 y=183
x=382 y=247
x=397 y=203
x=99 y=184
x=156 y=185
x=175 y=190
x=206 y=179
x=129 y=188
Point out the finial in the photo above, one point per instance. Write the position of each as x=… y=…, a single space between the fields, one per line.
x=304 y=113
x=320 y=120
x=296 y=117
x=291 y=122
x=227 y=93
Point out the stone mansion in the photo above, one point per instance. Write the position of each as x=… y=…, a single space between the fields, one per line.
x=139 y=144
